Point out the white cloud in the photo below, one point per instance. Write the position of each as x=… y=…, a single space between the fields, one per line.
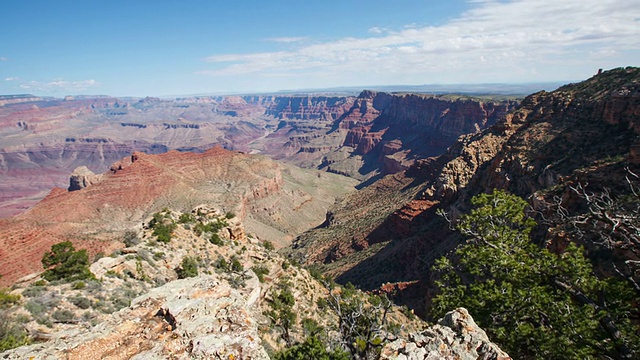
x=288 y=39
x=494 y=38
x=11 y=78
x=59 y=85
x=377 y=30
x=2 y=58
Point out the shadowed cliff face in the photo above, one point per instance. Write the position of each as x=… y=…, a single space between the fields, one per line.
x=581 y=134
x=275 y=200
x=376 y=133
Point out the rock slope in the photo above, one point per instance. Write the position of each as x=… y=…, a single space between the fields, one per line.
x=275 y=200
x=581 y=136
x=220 y=313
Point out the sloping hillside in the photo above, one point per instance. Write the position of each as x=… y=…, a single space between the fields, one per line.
x=582 y=136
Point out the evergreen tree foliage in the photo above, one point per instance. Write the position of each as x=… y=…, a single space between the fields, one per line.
x=63 y=262
x=311 y=348
x=282 y=314
x=534 y=303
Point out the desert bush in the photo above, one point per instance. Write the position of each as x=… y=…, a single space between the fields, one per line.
x=188 y=268
x=7 y=300
x=186 y=218
x=120 y=302
x=81 y=302
x=34 y=291
x=216 y=240
x=260 y=271
x=311 y=348
x=130 y=238
x=236 y=265
x=64 y=316
x=34 y=307
x=268 y=245
x=230 y=215
x=12 y=334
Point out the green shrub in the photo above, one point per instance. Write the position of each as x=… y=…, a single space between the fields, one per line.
x=268 y=245
x=63 y=262
x=158 y=255
x=188 y=268
x=229 y=215
x=260 y=271
x=130 y=238
x=186 y=218
x=12 y=334
x=216 y=240
x=316 y=273
x=64 y=316
x=236 y=265
x=222 y=264
x=79 y=285
x=163 y=232
x=81 y=302
x=311 y=348
x=34 y=291
x=6 y=299
x=282 y=314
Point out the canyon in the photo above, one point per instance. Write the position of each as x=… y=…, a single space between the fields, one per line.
x=364 y=137
x=363 y=189
x=572 y=153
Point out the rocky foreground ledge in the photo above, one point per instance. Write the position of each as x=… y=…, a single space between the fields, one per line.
x=202 y=318
x=456 y=336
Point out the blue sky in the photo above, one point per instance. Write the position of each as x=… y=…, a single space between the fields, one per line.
x=160 y=48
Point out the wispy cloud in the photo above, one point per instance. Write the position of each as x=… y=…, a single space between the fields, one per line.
x=2 y=58
x=60 y=85
x=377 y=30
x=493 y=36
x=288 y=39
x=11 y=78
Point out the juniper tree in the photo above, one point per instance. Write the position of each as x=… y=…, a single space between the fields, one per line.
x=534 y=303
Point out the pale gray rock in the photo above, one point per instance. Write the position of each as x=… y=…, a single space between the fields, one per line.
x=201 y=318
x=456 y=336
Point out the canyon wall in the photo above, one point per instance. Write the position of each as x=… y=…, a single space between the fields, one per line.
x=559 y=150
x=361 y=137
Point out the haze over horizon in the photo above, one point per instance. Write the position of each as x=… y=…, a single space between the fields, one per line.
x=161 y=48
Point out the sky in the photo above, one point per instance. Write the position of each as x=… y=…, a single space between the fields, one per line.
x=186 y=47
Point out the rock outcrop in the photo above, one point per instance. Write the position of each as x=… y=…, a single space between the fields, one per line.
x=81 y=178
x=210 y=320
x=455 y=337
